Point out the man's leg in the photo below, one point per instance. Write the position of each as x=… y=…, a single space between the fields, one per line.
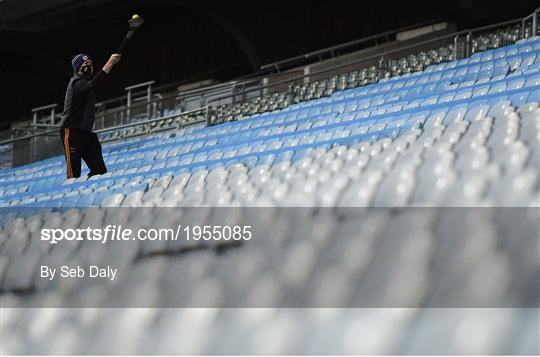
x=72 y=152
x=93 y=156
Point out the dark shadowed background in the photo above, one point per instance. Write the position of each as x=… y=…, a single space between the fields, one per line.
x=182 y=40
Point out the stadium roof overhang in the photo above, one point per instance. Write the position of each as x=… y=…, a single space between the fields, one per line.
x=39 y=15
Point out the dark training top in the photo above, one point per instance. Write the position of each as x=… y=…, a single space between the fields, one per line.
x=80 y=102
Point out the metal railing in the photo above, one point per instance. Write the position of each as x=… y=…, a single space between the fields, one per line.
x=378 y=60
x=151 y=126
x=533 y=18
x=157 y=104
x=167 y=90
x=51 y=109
x=30 y=148
x=338 y=50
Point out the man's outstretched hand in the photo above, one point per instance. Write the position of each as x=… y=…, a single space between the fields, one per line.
x=114 y=59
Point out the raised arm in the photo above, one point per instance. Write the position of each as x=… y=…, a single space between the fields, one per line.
x=115 y=58
x=83 y=85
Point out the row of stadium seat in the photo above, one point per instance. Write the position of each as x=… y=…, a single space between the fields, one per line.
x=403 y=66
x=264 y=141
x=464 y=134
x=516 y=83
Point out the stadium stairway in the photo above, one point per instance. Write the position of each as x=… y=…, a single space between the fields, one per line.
x=459 y=134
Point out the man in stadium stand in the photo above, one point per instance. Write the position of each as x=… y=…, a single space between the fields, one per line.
x=78 y=118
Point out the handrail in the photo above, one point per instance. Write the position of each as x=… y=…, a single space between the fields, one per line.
x=179 y=95
x=345 y=45
x=44 y=107
x=149 y=121
x=199 y=76
x=534 y=18
x=183 y=94
x=232 y=83
x=139 y=85
x=104 y=130
x=370 y=58
x=14 y=140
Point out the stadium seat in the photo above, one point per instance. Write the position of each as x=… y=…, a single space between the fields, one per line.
x=440 y=133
